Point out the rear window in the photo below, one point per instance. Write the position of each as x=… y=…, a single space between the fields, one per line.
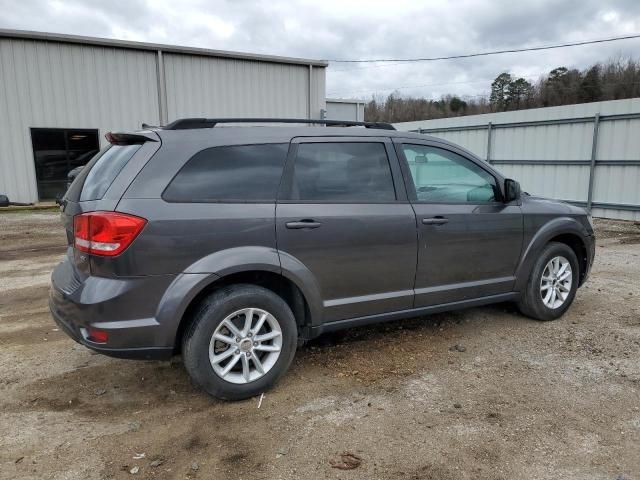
x=93 y=180
x=106 y=168
x=244 y=173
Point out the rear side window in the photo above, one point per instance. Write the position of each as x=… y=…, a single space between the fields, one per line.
x=244 y=173
x=342 y=172
x=102 y=171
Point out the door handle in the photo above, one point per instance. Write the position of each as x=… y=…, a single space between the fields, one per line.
x=303 y=224
x=435 y=221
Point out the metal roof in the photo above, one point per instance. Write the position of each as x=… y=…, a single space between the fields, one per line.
x=107 y=42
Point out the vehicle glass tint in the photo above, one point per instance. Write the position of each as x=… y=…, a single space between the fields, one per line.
x=441 y=176
x=227 y=174
x=342 y=172
x=103 y=172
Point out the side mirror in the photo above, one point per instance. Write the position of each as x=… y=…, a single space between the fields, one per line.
x=511 y=190
x=4 y=201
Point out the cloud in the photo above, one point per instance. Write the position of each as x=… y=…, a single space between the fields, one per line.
x=360 y=29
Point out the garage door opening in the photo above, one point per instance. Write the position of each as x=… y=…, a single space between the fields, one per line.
x=57 y=151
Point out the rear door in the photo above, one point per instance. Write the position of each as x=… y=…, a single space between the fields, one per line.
x=469 y=240
x=344 y=215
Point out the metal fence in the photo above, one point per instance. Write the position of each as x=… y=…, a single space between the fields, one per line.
x=592 y=161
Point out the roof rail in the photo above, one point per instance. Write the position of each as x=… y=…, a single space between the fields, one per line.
x=187 y=123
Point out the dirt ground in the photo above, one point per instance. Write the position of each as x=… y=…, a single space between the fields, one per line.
x=517 y=399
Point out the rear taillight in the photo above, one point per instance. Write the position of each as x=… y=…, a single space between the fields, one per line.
x=105 y=233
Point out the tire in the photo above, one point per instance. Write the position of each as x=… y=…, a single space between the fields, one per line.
x=214 y=315
x=532 y=302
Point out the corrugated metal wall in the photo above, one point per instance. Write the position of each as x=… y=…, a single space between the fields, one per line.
x=54 y=84
x=206 y=86
x=339 y=109
x=553 y=159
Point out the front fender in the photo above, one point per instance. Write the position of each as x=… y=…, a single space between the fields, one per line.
x=551 y=229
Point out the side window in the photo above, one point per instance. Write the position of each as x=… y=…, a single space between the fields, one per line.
x=244 y=173
x=342 y=172
x=441 y=176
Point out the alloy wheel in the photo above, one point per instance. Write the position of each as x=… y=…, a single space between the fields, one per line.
x=555 y=284
x=245 y=346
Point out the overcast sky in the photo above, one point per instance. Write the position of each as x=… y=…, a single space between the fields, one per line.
x=344 y=29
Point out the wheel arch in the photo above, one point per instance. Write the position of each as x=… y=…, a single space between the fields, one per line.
x=277 y=283
x=579 y=247
x=562 y=230
x=258 y=265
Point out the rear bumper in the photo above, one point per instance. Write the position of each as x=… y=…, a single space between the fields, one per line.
x=138 y=353
x=124 y=307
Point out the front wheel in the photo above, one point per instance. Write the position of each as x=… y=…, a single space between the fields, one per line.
x=552 y=284
x=241 y=341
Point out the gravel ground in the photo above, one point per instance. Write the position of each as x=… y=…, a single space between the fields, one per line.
x=474 y=394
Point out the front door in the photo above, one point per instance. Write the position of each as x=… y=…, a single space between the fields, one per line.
x=469 y=240
x=344 y=216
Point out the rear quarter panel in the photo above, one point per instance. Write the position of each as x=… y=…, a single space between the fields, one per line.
x=178 y=236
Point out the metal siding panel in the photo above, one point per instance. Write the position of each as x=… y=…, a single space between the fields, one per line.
x=544 y=142
x=611 y=107
x=318 y=100
x=615 y=213
x=473 y=140
x=54 y=85
x=210 y=87
x=564 y=182
x=17 y=183
x=341 y=111
x=618 y=140
x=617 y=184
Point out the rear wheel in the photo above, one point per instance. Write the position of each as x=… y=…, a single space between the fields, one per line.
x=241 y=341
x=552 y=283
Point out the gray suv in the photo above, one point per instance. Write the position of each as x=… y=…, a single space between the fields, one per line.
x=232 y=245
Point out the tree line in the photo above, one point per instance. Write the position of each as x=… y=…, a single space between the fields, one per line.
x=613 y=80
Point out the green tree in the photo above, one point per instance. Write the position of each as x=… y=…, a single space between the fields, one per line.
x=591 y=86
x=561 y=87
x=557 y=75
x=499 y=90
x=517 y=93
x=456 y=104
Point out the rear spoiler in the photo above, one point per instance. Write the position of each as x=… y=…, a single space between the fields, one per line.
x=119 y=138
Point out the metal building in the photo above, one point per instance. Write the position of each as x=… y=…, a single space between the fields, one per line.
x=587 y=154
x=59 y=95
x=344 y=109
